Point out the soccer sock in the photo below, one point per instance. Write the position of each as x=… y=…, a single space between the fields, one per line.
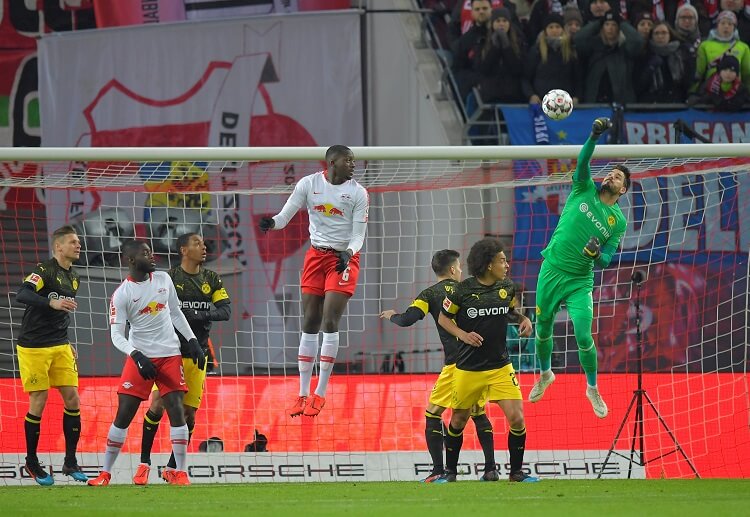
x=544 y=344
x=486 y=440
x=179 y=436
x=433 y=432
x=72 y=432
x=172 y=464
x=588 y=359
x=115 y=440
x=308 y=349
x=150 y=427
x=454 y=439
x=328 y=352
x=516 y=447
x=31 y=426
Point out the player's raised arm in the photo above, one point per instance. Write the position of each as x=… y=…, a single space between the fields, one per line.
x=418 y=309
x=296 y=201
x=583 y=166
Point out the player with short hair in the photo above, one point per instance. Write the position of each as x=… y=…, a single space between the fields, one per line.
x=147 y=300
x=447 y=267
x=588 y=233
x=46 y=358
x=477 y=312
x=337 y=207
x=203 y=300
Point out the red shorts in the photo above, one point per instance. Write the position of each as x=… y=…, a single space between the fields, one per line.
x=319 y=273
x=169 y=377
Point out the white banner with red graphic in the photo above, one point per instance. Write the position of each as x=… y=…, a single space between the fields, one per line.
x=277 y=81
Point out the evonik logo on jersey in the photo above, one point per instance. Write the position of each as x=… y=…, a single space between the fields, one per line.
x=584 y=208
x=473 y=312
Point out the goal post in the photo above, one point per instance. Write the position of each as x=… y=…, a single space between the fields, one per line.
x=688 y=229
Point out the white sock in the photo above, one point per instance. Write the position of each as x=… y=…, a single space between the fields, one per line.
x=179 y=436
x=308 y=350
x=115 y=441
x=327 y=358
x=547 y=373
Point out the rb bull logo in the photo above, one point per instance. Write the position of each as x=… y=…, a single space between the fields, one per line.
x=328 y=210
x=153 y=308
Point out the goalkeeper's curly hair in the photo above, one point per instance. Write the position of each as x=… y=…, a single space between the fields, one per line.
x=481 y=255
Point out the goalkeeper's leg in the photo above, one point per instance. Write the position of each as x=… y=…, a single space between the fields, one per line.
x=581 y=311
x=548 y=297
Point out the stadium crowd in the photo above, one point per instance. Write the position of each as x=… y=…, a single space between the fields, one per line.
x=600 y=51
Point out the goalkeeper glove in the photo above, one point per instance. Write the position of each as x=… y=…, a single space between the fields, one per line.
x=591 y=250
x=266 y=223
x=343 y=263
x=195 y=352
x=599 y=126
x=145 y=367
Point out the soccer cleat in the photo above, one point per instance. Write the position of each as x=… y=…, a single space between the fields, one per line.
x=179 y=477
x=102 y=479
x=520 y=476
x=447 y=477
x=492 y=475
x=600 y=408
x=299 y=406
x=75 y=472
x=314 y=405
x=542 y=384
x=40 y=475
x=141 y=474
x=431 y=478
x=167 y=474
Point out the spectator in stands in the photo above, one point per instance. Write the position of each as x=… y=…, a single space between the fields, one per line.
x=462 y=18
x=551 y=63
x=742 y=13
x=539 y=13
x=501 y=61
x=470 y=46
x=664 y=74
x=724 y=89
x=596 y=10
x=573 y=21
x=608 y=48
x=644 y=23
x=722 y=40
x=686 y=27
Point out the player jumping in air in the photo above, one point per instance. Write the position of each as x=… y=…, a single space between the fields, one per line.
x=447 y=266
x=203 y=300
x=477 y=312
x=588 y=233
x=148 y=302
x=337 y=207
x=46 y=357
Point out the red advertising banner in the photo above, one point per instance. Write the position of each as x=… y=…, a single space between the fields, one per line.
x=707 y=414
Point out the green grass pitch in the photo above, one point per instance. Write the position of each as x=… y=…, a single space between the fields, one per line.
x=604 y=498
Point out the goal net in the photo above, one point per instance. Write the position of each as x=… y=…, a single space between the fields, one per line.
x=688 y=232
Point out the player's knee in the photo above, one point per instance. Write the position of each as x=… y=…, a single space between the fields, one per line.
x=585 y=342
x=459 y=418
x=157 y=406
x=37 y=402
x=190 y=417
x=70 y=398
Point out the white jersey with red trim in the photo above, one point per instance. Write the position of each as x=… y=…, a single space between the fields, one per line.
x=332 y=209
x=153 y=310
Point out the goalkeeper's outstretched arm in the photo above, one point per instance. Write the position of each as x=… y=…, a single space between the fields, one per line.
x=583 y=168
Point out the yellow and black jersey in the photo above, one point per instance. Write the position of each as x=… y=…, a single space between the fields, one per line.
x=198 y=292
x=42 y=326
x=482 y=309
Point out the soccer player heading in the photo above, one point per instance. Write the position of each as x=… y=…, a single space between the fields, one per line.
x=447 y=267
x=147 y=300
x=46 y=358
x=477 y=312
x=203 y=300
x=588 y=233
x=337 y=207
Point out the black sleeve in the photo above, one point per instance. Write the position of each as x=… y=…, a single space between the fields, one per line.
x=28 y=296
x=408 y=318
x=222 y=312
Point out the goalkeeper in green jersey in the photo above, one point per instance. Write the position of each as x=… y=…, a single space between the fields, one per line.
x=588 y=234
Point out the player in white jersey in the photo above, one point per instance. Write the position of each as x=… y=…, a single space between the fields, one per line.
x=147 y=300
x=337 y=206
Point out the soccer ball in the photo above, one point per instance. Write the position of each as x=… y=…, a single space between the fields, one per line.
x=557 y=104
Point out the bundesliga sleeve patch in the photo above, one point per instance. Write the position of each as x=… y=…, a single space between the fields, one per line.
x=449 y=306
x=36 y=280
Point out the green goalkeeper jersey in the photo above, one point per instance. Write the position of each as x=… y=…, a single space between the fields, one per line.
x=584 y=216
